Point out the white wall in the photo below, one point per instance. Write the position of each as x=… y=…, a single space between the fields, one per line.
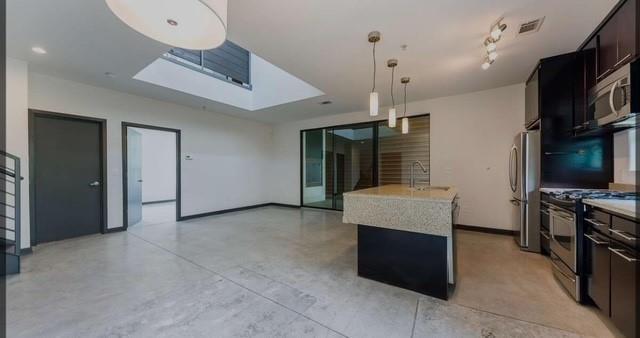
x=231 y=156
x=158 y=165
x=17 y=132
x=471 y=135
x=624 y=157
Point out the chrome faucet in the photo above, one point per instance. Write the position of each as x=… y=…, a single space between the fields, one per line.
x=412 y=181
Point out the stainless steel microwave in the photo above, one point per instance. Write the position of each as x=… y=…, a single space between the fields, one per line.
x=610 y=100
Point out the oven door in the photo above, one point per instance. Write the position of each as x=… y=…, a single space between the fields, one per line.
x=563 y=236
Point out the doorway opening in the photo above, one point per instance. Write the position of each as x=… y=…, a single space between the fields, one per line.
x=151 y=174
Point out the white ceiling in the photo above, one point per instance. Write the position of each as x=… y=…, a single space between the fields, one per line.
x=323 y=42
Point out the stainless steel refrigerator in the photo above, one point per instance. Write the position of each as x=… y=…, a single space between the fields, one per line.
x=524 y=181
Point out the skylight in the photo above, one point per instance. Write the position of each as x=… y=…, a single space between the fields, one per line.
x=225 y=75
x=228 y=62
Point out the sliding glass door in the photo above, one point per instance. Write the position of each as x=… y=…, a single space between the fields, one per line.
x=340 y=159
x=335 y=161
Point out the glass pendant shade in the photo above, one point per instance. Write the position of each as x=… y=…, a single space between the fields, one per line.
x=405 y=125
x=392 y=118
x=373 y=104
x=189 y=24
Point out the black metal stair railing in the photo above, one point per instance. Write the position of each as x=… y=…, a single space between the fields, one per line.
x=10 y=181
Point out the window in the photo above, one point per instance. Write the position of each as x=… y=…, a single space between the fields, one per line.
x=228 y=62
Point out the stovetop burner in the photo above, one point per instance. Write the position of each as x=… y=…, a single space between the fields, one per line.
x=594 y=194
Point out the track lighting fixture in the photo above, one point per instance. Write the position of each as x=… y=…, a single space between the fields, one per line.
x=490 y=43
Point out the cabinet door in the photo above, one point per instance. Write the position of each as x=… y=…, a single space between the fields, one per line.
x=600 y=269
x=626 y=32
x=607 y=48
x=531 y=99
x=624 y=290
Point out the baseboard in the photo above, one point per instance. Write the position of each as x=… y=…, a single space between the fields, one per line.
x=112 y=230
x=485 y=230
x=284 y=205
x=26 y=251
x=160 y=201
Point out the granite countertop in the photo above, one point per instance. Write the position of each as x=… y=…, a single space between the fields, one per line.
x=399 y=207
x=400 y=191
x=623 y=207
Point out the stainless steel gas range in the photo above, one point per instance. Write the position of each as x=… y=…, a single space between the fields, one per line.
x=562 y=233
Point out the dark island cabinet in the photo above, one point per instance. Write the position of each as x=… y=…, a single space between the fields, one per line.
x=624 y=290
x=613 y=267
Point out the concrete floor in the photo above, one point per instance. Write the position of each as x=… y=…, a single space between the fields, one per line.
x=276 y=272
x=155 y=213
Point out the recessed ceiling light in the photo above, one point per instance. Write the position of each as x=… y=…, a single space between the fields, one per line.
x=38 y=50
x=325 y=102
x=189 y=24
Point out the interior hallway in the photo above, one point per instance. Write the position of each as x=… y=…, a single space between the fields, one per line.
x=276 y=272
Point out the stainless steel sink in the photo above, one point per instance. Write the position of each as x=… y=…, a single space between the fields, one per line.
x=428 y=187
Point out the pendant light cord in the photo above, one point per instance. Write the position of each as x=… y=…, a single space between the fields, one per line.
x=405 y=101
x=374 y=68
x=393 y=100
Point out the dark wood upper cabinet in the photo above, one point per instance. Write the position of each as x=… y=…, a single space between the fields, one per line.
x=607 y=48
x=626 y=32
x=617 y=39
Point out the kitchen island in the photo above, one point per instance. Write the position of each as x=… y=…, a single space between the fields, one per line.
x=405 y=236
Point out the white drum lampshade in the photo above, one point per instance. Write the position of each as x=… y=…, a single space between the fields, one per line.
x=189 y=24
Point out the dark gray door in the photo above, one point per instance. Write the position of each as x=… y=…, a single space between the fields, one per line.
x=67 y=178
x=134 y=176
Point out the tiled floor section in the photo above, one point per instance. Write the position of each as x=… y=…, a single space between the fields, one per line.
x=276 y=272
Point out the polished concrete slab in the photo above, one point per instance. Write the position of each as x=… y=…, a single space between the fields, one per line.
x=276 y=272
x=155 y=213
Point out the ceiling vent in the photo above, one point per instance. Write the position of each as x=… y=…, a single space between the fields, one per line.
x=530 y=27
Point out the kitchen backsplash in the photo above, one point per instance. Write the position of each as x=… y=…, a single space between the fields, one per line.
x=624 y=158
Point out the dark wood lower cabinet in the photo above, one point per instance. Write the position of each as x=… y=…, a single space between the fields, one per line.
x=600 y=271
x=624 y=291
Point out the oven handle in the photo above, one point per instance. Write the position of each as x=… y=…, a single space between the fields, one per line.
x=553 y=264
x=557 y=213
x=619 y=252
x=622 y=235
x=594 y=240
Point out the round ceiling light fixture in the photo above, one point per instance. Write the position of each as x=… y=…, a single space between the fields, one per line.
x=189 y=24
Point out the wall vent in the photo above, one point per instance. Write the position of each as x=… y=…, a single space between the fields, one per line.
x=530 y=27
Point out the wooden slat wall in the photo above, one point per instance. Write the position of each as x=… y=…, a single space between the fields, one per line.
x=398 y=151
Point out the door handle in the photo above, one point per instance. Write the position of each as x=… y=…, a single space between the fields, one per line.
x=94 y=184
x=594 y=240
x=619 y=252
x=611 y=97
x=623 y=235
x=140 y=181
x=622 y=60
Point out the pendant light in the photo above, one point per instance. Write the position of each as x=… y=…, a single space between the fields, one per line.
x=405 y=119
x=374 y=37
x=189 y=24
x=393 y=63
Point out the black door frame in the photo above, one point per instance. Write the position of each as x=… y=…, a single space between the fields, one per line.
x=376 y=124
x=125 y=174
x=33 y=113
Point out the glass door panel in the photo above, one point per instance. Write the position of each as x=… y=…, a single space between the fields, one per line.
x=354 y=160
x=317 y=172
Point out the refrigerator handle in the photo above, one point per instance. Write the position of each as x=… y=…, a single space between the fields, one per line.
x=513 y=181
